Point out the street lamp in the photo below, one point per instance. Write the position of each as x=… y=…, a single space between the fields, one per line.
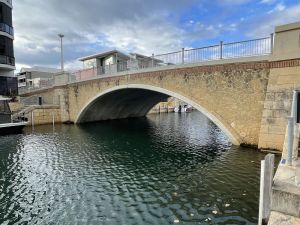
x=61 y=51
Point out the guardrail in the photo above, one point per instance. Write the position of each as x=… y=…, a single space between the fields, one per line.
x=7 y=60
x=7 y=29
x=249 y=48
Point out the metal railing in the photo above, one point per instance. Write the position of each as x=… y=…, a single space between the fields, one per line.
x=249 y=48
x=7 y=60
x=255 y=47
x=42 y=84
x=7 y=29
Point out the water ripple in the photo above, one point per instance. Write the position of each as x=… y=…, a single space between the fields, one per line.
x=163 y=169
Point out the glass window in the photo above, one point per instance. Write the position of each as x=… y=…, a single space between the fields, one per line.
x=5 y=14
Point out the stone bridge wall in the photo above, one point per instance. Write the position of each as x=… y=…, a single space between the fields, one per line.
x=232 y=95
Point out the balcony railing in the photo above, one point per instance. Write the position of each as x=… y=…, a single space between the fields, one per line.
x=7 y=60
x=7 y=29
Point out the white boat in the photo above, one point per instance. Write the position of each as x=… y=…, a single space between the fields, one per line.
x=183 y=109
x=7 y=126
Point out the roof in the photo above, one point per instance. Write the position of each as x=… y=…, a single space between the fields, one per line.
x=104 y=54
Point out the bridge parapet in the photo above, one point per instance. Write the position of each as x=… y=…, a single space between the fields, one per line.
x=222 y=53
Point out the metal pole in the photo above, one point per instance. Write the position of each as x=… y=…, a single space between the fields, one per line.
x=61 y=51
x=221 y=49
x=152 y=59
x=272 y=42
x=182 y=55
x=291 y=122
x=294 y=105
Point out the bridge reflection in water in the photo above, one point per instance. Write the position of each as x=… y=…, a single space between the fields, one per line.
x=153 y=170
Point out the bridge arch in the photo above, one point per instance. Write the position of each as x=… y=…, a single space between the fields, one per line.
x=157 y=94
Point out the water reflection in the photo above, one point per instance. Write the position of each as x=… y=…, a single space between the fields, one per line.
x=154 y=170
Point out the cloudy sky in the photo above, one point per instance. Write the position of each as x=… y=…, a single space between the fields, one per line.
x=142 y=26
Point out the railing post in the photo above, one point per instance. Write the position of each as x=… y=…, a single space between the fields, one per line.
x=152 y=57
x=272 y=42
x=182 y=55
x=221 y=49
x=291 y=121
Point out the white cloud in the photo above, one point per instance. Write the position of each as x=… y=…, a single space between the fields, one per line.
x=267 y=1
x=264 y=26
x=233 y=2
x=135 y=25
x=278 y=8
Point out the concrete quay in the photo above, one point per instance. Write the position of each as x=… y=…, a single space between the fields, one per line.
x=285 y=202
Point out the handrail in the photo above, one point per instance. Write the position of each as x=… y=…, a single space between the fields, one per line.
x=169 y=53
x=211 y=46
x=237 y=42
x=248 y=48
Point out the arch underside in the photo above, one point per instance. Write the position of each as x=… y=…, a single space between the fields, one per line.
x=136 y=101
x=121 y=104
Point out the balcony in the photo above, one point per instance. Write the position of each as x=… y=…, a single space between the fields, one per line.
x=6 y=29
x=7 y=60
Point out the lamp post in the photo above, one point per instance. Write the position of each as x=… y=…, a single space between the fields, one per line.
x=61 y=51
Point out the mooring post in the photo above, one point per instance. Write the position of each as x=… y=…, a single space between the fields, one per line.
x=32 y=119
x=182 y=55
x=266 y=180
x=291 y=121
x=261 y=196
x=53 y=120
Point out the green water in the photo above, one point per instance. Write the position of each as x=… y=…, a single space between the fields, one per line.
x=163 y=169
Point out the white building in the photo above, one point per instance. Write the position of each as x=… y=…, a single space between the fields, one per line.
x=113 y=61
x=35 y=77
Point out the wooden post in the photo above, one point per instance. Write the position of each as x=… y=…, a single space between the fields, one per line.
x=32 y=119
x=53 y=120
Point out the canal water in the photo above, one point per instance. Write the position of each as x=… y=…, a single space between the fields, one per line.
x=163 y=169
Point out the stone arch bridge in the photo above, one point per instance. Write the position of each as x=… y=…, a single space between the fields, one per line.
x=248 y=98
x=231 y=95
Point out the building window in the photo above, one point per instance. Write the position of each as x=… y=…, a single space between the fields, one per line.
x=5 y=14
